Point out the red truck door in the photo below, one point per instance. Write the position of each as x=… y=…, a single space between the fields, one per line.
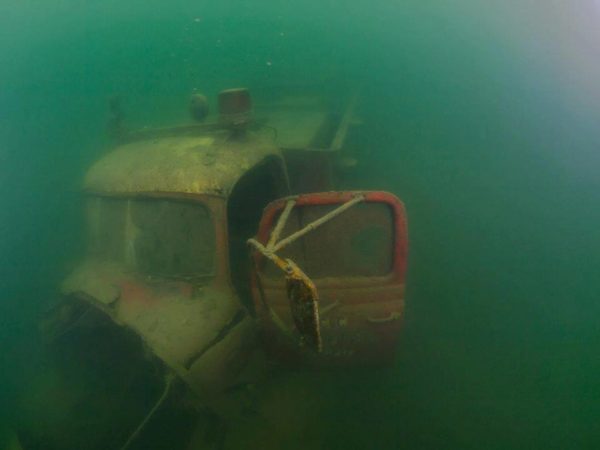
x=351 y=248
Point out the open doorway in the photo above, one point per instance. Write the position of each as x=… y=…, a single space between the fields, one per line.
x=256 y=189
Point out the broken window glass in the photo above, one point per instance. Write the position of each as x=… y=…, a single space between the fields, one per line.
x=358 y=242
x=161 y=237
x=173 y=238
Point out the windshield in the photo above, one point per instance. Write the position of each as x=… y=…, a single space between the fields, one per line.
x=162 y=237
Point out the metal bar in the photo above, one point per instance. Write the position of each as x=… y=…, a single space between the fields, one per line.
x=340 y=135
x=283 y=265
x=169 y=378
x=317 y=223
x=281 y=223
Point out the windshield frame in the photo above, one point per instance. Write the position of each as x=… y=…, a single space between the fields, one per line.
x=397 y=273
x=216 y=207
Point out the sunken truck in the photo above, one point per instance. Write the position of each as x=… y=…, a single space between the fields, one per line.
x=221 y=248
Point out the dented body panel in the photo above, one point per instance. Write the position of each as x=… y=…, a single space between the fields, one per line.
x=177 y=321
x=195 y=324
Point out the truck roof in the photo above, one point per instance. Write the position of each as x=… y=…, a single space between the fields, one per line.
x=209 y=163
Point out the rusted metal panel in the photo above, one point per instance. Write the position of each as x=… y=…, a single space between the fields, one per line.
x=176 y=320
x=361 y=310
x=96 y=281
x=223 y=364
x=208 y=164
x=358 y=325
x=190 y=324
x=312 y=136
x=298 y=128
x=309 y=172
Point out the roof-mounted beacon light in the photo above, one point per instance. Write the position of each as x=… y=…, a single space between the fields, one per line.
x=235 y=108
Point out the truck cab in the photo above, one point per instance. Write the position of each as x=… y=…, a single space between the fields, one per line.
x=221 y=245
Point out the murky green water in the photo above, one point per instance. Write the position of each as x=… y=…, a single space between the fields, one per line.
x=483 y=118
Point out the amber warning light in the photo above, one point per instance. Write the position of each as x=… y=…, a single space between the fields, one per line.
x=235 y=107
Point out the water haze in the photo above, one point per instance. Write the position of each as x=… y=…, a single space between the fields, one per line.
x=481 y=116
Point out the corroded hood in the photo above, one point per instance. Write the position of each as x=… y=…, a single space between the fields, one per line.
x=207 y=164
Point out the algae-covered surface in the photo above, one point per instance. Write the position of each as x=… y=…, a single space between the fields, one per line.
x=481 y=116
